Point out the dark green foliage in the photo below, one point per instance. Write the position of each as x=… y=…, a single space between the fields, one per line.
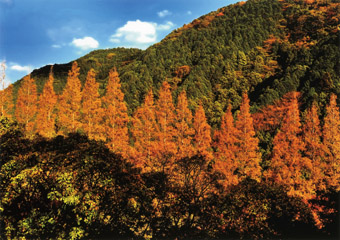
x=227 y=53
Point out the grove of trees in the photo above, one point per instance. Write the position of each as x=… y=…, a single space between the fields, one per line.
x=76 y=165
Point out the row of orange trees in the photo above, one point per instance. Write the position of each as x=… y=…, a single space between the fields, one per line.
x=304 y=157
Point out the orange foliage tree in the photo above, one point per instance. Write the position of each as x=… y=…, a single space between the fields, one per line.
x=202 y=138
x=70 y=102
x=45 y=121
x=331 y=140
x=115 y=115
x=165 y=148
x=183 y=124
x=225 y=143
x=92 y=111
x=6 y=101
x=26 y=107
x=143 y=131
x=314 y=149
x=288 y=166
x=248 y=155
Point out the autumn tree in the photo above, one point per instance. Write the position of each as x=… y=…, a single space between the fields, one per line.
x=45 y=121
x=115 y=115
x=248 y=155
x=92 y=111
x=226 y=149
x=288 y=166
x=70 y=102
x=314 y=150
x=165 y=148
x=331 y=140
x=26 y=106
x=143 y=131
x=6 y=101
x=184 y=129
x=202 y=138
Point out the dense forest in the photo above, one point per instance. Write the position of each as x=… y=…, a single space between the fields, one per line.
x=227 y=128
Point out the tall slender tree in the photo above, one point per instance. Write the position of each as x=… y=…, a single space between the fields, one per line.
x=225 y=143
x=115 y=115
x=331 y=140
x=314 y=149
x=6 y=101
x=92 y=111
x=70 y=102
x=184 y=128
x=45 y=120
x=26 y=107
x=248 y=154
x=202 y=138
x=287 y=164
x=166 y=148
x=144 y=133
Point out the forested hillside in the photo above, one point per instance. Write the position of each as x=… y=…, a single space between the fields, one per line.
x=227 y=128
x=267 y=48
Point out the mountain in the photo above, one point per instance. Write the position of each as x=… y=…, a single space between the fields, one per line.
x=264 y=47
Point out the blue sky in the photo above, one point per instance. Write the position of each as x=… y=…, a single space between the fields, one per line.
x=34 y=33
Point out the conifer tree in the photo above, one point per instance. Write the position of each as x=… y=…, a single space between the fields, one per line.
x=287 y=164
x=184 y=127
x=314 y=149
x=248 y=154
x=92 y=111
x=26 y=107
x=45 y=121
x=202 y=139
x=70 y=102
x=6 y=101
x=165 y=131
x=144 y=132
x=225 y=143
x=115 y=115
x=331 y=140
x=6 y=97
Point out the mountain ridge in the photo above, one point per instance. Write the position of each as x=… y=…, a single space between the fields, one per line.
x=265 y=48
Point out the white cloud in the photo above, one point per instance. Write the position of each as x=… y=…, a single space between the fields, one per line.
x=164 y=13
x=138 y=33
x=85 y=43
x=189 y=12
x=167 y=26
x=19 y=68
